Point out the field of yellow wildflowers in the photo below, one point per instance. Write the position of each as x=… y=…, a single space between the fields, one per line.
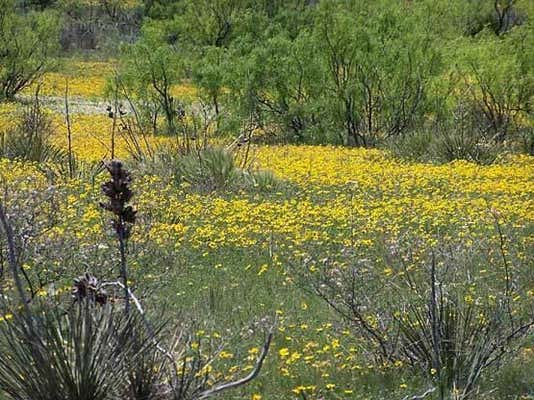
x=227 y=259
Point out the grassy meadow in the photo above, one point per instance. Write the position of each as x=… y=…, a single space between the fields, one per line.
x=229 y=262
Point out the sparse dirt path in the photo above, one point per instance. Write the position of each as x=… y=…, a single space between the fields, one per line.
x=77 y=105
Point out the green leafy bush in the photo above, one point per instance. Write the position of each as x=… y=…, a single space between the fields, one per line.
x=29 y=42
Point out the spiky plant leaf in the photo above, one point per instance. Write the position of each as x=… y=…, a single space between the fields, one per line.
x=78 y=354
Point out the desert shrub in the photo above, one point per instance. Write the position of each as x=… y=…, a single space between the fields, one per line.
x=449 y=140
x=99 y=26
x=439 y=310
x=265 y=180
x=460 y=139
x=452 y=145
x=414 y=145
x=378 y=70
x=150 y=68
x=214 y=168
x=28 y=45
x=275 y=83
x=526 y=141
x=305 y=72
x=336 y=80
x=496 y=84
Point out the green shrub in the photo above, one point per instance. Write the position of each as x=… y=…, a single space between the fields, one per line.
x=496 y=82
x=265 y=180
x=515 y=380
x=445 y=146
x=457 y=145
x=413 y=146
x=29 y=41
x=526 y=141
x=209 y=169
x=214 y=168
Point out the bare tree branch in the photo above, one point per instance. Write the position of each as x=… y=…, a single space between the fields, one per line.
x=420 y=396
x=12 y=257
x=253 y=374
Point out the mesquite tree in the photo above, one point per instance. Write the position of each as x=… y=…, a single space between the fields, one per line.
x=28 y=44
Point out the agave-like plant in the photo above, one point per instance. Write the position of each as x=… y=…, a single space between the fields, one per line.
x=77 y=354
x=210 y=169
x=30 y=137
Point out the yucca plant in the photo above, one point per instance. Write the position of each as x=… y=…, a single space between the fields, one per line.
x=461 y=140
x=75 y=354
x=78 y=169
x=118 y=193
x=210 y=169
x=29 y=139
x=264 y=180
x=95 y=350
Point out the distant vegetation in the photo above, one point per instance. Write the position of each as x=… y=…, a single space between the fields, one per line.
x=431 y=80
x=356 y=73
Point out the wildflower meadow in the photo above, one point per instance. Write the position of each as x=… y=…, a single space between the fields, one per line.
x=188 y=212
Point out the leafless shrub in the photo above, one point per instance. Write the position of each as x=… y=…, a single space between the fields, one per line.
x=441 y=316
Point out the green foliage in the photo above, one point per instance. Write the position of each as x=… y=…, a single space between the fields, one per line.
x=98 y=28
x=309 y=72
x=276 y=84
x=207 y=72
x=497 y=82
x=378 y=68
x=414 y=146
x=449 y=145
x=215 y=168
x=354 y=72
x=150 y=68
x=458 y=140
x=515 y=381
x=265 y=180
x=28 y=43
x=36 y=4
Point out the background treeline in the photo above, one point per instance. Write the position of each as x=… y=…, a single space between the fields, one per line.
x=430 y=80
